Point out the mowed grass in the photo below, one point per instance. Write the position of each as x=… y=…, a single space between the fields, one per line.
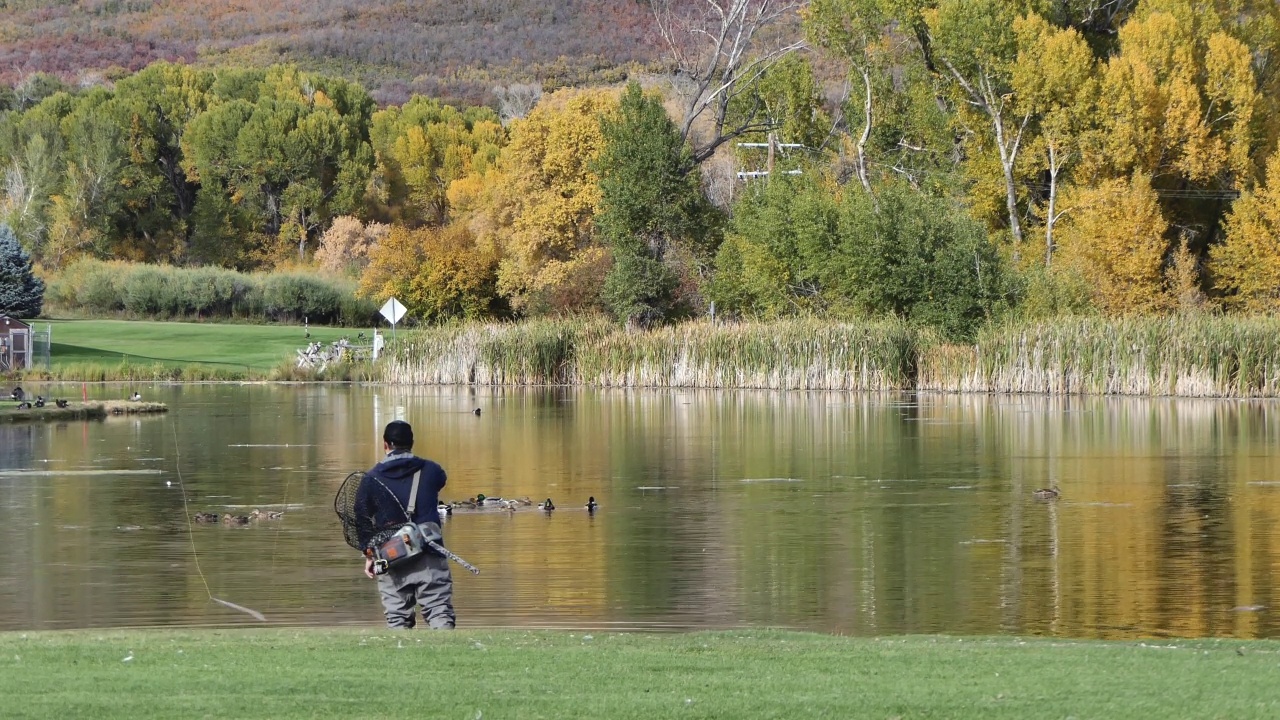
x=174 y=344
x=366 y=673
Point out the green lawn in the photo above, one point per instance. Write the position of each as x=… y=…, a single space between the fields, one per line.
x=367 y=673
x=112 y=342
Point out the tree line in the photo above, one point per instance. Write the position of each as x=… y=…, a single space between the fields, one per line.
x=947 y=161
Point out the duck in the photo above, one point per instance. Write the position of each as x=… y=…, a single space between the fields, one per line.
x=24 y=406
x=136 y=397
x=266 y=515
x=60 y=403
x=476 y=412
x=203 y=517
x=592 y=504
x=444 y=509
x=547 y=505
x=524 y=501
x=482 y=499
x=468 y=503
x=18 y=394
x=235 y=519
x=1051 y=493
x=39 y=401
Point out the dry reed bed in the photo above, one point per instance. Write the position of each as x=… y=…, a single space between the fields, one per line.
x=801 y=355
x=1194 y=356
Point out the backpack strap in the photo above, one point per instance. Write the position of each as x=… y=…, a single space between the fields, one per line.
x=413 y=495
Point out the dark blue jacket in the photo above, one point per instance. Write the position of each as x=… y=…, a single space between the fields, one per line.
x=395 y=472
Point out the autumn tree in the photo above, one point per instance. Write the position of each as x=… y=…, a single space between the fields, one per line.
x=421 y=148
x=437 y=272
x=1246 y=266
x=1115 y=239
x=345 y=246
x=1053 y=77
x=538 y=207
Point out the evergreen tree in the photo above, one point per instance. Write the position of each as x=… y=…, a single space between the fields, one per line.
x=21 y=292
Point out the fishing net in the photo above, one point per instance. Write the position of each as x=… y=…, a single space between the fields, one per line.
x=356 y=530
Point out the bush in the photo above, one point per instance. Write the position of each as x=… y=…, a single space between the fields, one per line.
x=95 y=287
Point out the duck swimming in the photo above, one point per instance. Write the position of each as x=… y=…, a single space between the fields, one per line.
x=206 y=517
x=235 y=520
x=592 y=504
x=266 y=515
x=482 y=499
x=444 y=509
x=547 y=505
x=1046 y=493
x=476 y=412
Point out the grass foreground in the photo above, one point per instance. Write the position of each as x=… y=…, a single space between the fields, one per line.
x=349 y=673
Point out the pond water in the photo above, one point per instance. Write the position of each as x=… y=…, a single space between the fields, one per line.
x=860 y=514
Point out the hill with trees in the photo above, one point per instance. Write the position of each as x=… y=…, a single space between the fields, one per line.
x=455 y=50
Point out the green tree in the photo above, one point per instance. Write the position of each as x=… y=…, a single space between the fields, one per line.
x=21 y=292
x=918 y=257
x=651 y=204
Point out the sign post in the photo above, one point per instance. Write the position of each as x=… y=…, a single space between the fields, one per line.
x=393 y=311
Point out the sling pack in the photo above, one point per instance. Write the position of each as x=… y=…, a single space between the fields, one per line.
x=406 y=541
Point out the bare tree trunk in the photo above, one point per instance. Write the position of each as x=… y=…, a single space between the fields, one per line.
x=986 y=98
x=866 y=132
x=1051 y=218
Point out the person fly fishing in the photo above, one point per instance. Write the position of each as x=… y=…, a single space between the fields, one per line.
x=398 y=494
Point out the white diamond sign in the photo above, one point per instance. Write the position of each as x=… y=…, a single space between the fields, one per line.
x=393 y=311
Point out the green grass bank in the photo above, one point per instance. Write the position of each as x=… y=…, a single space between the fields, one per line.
x=368 y=673
x=137 y=350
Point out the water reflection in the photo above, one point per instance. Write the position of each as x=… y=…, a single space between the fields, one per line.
x=853 y=513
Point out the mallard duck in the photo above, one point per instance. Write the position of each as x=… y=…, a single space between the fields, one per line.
x=524 y=501
x=476 y=412
x=229 y=519
x=266 y=514
x=444 y=509
x=17 y=394
x=206 y=517
x=469 y=503
x=592 y=504
x=547 y=505
x=136 y=397
x=39 y=401
x=1046 y=493
x=60 y=403
x=482 y=499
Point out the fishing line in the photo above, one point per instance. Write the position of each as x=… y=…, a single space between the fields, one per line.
x=186 y=511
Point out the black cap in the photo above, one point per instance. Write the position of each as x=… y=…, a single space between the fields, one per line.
x=399 y=435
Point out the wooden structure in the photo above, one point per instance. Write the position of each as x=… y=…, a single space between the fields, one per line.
x=15 y=344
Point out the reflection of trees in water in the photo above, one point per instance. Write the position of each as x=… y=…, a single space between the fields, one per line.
x=909 y=514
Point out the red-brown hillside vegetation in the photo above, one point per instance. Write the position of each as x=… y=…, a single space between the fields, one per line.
x=456 y=48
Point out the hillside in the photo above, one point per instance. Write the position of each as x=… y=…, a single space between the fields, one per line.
x=458 y=50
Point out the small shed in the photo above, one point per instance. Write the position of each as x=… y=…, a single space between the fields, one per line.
x=15 y=344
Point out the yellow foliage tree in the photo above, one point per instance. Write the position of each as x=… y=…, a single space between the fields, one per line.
x=1113 y=235
x=345 y=246
x=542 y=201
x=437 y=272
x=1247 y=264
